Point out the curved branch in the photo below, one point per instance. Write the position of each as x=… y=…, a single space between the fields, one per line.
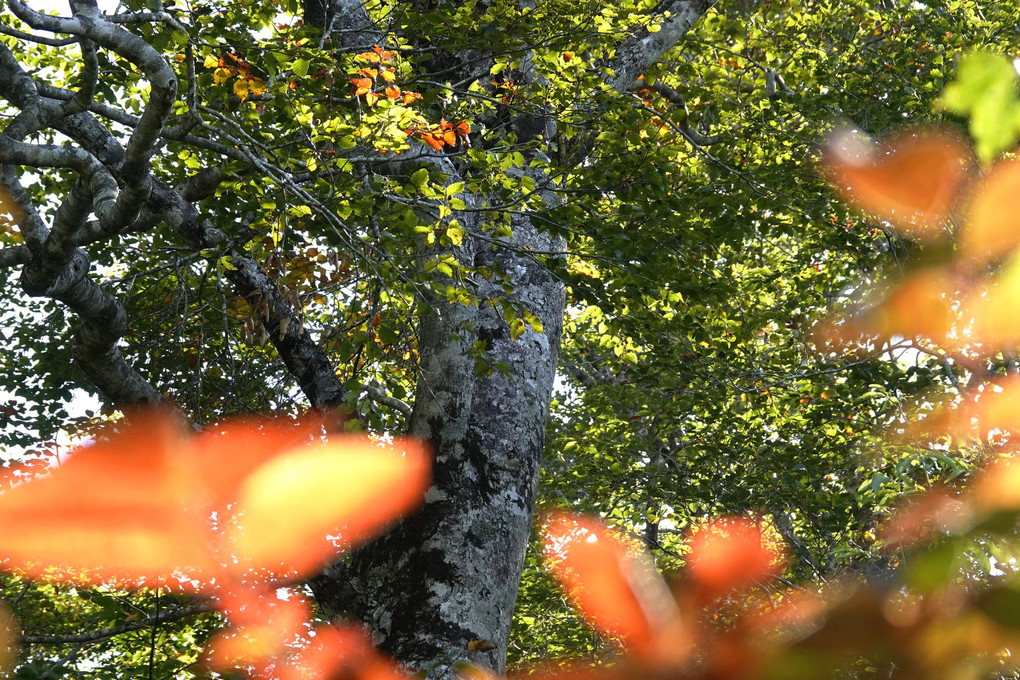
x=376 y=394
x=88 y=23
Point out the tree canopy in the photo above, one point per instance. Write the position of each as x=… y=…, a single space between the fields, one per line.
x=411 y=215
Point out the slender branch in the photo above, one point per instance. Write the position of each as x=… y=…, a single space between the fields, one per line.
x=376 y=394
x=677 y=99
x=165 y=616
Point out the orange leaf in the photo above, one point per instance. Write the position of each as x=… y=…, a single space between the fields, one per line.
x=388 y=76
x=361 y=85
x=261 y=625
x=727 y=554
x=913 y=185
x=124 y=509
x=349 y=486
x=618 y=591
x=993 y=223
x=450 y=137
x=393 y=92
x=369 y=72
x=410 y=97
x=463 y=129
x=371 y=57
x=433 y=141
x=340 y=652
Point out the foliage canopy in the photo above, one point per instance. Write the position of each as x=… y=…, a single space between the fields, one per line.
x=361 y=176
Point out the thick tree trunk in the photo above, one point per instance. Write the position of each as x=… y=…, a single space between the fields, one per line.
x=449 y=574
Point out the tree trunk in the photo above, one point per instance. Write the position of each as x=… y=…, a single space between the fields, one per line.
x=449 y=575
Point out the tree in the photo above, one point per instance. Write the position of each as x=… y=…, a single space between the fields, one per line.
x=374 y=208
x=442 y=222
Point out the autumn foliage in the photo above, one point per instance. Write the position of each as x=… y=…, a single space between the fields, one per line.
x=232 y=513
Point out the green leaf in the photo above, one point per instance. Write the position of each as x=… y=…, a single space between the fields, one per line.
x=985 y=89
x=455 y=233
x=419 y=177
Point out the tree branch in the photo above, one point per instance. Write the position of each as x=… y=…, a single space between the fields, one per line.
x=107 y=633
x=644 y=48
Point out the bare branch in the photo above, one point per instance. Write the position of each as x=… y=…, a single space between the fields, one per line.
x=107 y=633
x=375 y=393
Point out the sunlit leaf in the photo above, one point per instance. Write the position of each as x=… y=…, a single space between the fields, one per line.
x=241 y=88
x=913 y=184
x=986 y=88
x=350 y=487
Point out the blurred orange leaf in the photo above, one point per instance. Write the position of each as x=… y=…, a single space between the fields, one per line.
x=993 y=222
x=261 y=625
x=120 y=508
x=349 y=487
x=995 y=409
x=340 y=652
x=619 y=593
x=994 y=305
x=998 y=487
x=913 y=185
x=729 y=553
x=937 y=510
x=920 y=305
x=138 y=506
